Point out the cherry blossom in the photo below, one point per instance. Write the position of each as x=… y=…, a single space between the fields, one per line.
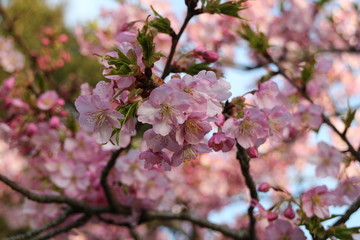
x=97 y=116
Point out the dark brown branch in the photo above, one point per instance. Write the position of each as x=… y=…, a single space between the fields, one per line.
x=353 y=208
x=248 y=68
x=155 y=215
x=176 y=37
x=244 y=161
x=62 y=218
x=104 y=183
x=44 y=198
x=104 y=177
x=134 y=233
x=338 y=50
x=78 y=223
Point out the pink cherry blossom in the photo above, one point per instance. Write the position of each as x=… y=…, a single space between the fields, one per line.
x=193 y=129
x=220 y=142
x=267 y=95
x=248 y=129
x=282 y=229
x=47 y=100
x=308 y=115
x=165 y=109
x=206 y=89
x=160 y=159
x=328 y=160
x=278 y=119
x=348 y=190
x=188 y=152
x=97 y=116
x=316 y=201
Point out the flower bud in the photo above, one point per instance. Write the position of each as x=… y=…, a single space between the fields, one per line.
x=63 y=38
x=54 y=122
x=221 y=121
x=272 y=216
x=289 y=212
x=210 y=56
x=31 y=129
x=63 y=113
x=252 y=152
x=60 y=102
x=264 y=187
x=45 y=41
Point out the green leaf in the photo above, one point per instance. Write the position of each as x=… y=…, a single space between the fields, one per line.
x=347 y=120
x=146 y=40
x=228 y=8
x=161 y=24
x=257 y=40
x=321 y=3
x=124 y=65
x=344 y=233
x=196 y=68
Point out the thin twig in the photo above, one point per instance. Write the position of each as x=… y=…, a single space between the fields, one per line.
x=155 y=215
x=244 y=161
x=44 y=198
x=134 y=233
x=338 y=50
x=353 y=208
x=59 y=220
x=105 y=185
x=78 y=223
x=104 y=177
x=176 y=37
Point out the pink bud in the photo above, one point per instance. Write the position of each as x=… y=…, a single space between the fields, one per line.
x=45 y=41
x=272 y=216
x=63 y=38
x=63 y=113
x=54 y=122
x=264 y=187
x=210 y=56
x=221 y=121
x=252 y=152
x=31 y=129
x=9 y=83
x=289 y=212
x=48 y=30
x=60 y=102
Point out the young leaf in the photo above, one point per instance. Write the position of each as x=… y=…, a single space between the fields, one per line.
x=161 y=24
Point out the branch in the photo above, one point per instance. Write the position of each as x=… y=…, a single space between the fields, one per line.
x=353 y=208
x=134 y=233
x=104 y=175
x=339 y=50
x=105 y=185
x=244 y=161
x=155 y=215
x=44 y=198
x=176 y=37
x=248 y=68
x=62 y=218
x=78 y=223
